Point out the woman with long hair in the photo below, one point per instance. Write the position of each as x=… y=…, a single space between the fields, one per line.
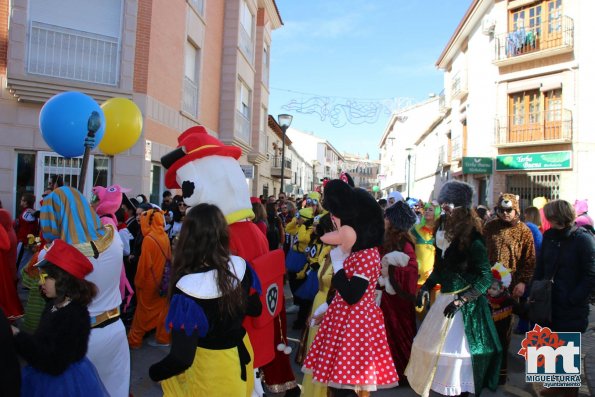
x=275 y=231
x=398 y=303
x=210 y=293
x=457 y=350
x=260 y=216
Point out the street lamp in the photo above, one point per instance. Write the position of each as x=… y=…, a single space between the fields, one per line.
x=409 y=149
x=284 y=122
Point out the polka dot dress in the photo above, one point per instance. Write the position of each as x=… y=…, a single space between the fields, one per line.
x=350 y=349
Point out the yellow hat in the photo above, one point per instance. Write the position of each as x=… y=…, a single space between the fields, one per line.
x=539 y=202
x=314 y=195
x=306 y=213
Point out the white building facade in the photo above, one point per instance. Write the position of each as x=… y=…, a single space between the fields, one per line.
x=513 y=70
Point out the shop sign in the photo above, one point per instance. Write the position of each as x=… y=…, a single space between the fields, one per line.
x=534 y=161
x=478 y=165
x=248 y=171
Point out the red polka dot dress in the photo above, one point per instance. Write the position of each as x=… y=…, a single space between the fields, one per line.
x=350 y=350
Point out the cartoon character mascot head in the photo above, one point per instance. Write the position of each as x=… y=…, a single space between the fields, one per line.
x=208 y=171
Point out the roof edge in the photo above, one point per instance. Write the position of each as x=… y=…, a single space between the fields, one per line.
x=457 y=32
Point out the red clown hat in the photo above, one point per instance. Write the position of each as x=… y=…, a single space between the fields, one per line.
x=194 y=143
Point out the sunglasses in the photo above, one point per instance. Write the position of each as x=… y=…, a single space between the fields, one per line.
x=507 y=210
x=42 y=277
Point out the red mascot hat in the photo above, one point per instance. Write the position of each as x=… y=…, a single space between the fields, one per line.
x=194 y=143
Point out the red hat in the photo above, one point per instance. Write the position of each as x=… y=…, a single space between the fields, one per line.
x=194 y=143
x=254 y=200
x=67 y=258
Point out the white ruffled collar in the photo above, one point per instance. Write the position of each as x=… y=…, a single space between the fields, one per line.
x=204 y=285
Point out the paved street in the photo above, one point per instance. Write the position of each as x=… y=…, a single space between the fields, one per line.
x=143 y=358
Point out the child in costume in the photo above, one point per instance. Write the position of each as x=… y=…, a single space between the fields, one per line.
x=398 y=298
x=108 y=349
x=56 y=352
x=425 y=252
x=300 y=229
x=456 y=350
x=151 y=307
x=211 y=292
x=501 y=305
x=350 y=353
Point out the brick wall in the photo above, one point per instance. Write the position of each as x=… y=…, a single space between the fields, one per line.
x=143 y=37
x=3 y=35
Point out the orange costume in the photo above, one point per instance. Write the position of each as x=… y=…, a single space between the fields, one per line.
x=151 y=308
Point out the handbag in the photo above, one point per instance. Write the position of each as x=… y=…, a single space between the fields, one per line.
x=540 y=298
x=309 y=287
x=295 y=261
x=163 y=284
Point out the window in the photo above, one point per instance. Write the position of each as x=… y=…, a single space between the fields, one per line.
x=535 y=27
x=75 y=40
x=198 y=6
x=244 y=99
x=156 y=184
x=101 y=171
x=265 y=64
x=246 y=18
x=25 y=177
x=191 y=67
x=537 y=115
x=246 y=39
x=52 y=165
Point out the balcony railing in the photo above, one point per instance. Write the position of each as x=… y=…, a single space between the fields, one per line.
x=277 y=162
x=56 y=51
x=459 y=84
x=246 y=44
x=457 y=148
x=190 y=101
x=555 y=127
x=442 y=107
x=276 y=168
x=557 y=33
x=242 y=127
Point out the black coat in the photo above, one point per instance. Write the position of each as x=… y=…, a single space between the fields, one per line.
x=10 y=370
x=60 y=340
x=573 y=251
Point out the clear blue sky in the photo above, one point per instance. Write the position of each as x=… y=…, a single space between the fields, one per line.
x=358 y=49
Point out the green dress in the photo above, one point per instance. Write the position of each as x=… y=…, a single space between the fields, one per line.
x=458 y=271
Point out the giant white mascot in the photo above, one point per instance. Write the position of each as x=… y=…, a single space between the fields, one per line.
x=208 y=171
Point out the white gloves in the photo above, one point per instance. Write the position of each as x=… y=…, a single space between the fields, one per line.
x=395 y=258
x=337 y=258
x=321 y=309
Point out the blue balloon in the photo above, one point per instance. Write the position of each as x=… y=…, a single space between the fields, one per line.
x=63 y=123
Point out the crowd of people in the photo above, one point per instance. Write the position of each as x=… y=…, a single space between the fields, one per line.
x=386 y=293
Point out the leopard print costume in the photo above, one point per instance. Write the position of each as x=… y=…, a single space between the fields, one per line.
x=511 y=243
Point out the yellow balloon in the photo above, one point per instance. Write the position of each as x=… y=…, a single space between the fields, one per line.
x=123 y=125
